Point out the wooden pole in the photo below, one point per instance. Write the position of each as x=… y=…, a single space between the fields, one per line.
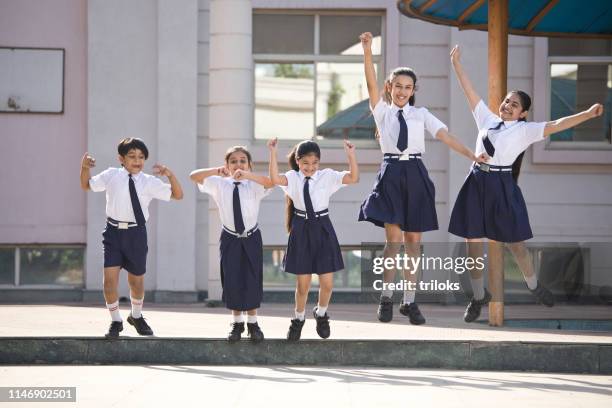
x=498 y=75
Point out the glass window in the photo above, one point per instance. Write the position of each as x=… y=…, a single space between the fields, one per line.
x=47 y=265
x=283 y=34
x=340 y=34
x=7 y=266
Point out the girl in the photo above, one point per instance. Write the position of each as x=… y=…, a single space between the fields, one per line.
x=403 y=199
x=490 y=203
x=237 y=193
x=313 y=246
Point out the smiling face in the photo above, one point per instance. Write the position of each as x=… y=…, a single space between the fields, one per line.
x=401 y=89
x=511 y=108
x=133 y=161
x=237 y=161
x=308 y=164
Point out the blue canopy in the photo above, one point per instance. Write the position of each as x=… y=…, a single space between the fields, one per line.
x=550 y=18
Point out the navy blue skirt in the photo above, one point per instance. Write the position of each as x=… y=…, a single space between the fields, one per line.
x=490 y=205
x=313 y=247
x=241 y=270
x=403 y=194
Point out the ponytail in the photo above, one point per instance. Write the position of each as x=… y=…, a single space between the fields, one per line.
x=289 y=207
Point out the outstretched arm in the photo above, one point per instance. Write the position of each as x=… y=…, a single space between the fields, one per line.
x=199 y=175
x=468 y=89
x=175 y=186
x=568 y=122
x=454 y=143
x=353 y=175
x=278 y=180
x=247 y=175
x=87 y=162
x=368 y=65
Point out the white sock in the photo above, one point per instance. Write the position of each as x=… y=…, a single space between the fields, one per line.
x=409 y=296
x=321 y=310
x=300 y=315
x=532 y=281
x=252 y=319
x=387 y=293
x=478 y=288
x=136 y=307
x=239 y=318
x=113 y=308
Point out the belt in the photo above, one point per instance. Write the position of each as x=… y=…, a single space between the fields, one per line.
x=489 y=167
x=245 y=234
x=121 y=224
x=401 y=157
x=303 y=214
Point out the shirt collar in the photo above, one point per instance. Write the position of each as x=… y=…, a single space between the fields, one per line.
x=508 y=123
x=134 y=176
x=406 y=108
x=314 y=177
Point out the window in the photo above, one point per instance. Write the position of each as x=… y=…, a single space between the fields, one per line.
x=309 y=67
x=42 y=266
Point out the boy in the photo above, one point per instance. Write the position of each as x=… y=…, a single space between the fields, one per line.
x=128 y=194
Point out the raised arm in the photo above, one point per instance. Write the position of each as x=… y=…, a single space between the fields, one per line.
x=277 y=179
x=353 y=175
x=568 y=122
x=199 y=175
x=368 y=65
x=454 y=143
x=175 y=186
x=247 y=175
x=468 y=89
x=87 y=162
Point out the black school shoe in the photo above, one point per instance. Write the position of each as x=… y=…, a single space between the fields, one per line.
x=140 y=325
x=255 y=333
x=385 y=309
x=472 y=312
x=543 y=295
x=322 y=324
x=234 y=334
x=412 y=311
x=114 y=330
x=295 y=330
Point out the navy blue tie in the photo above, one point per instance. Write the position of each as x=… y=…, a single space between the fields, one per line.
x=307 y=201
x=402 y=140
x=487 y=142
x=140 y=219
x=238 y=221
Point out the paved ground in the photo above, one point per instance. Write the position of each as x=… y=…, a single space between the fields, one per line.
x=294 y=387
x=348 y=322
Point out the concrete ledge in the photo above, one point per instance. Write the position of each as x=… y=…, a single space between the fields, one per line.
x=460 y=355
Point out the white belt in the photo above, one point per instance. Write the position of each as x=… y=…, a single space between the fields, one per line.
x=245 y=234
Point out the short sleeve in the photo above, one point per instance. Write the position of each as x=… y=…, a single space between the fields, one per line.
x=158 y=189
x=210 y=185
x=335 y=179
x=433 y=124
x=379 y=112
x=99 y=181
x=534 y=132
x=483 y=116
x=260 y=191
x=291 y=176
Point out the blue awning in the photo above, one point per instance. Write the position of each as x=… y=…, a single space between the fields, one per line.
x=550 y=18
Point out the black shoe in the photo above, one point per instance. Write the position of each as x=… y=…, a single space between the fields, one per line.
x=385 y=309
x=543 y=295
x=255 y=333
x=237 y=329
x=472 y=312
x=114 y=330
x=140 y=325
x=322 y=324
x=412 y=311
x=295 y=330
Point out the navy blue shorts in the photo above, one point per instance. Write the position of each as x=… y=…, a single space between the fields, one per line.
x=404 y=195
x=490 y=205
x=241 y=270
x=126 y=248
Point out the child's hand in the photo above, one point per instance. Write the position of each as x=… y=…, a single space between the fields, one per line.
x=366 y=41
x=596 y=110
x=87 y=162
x=161 y=170
x=483 y=158
x=272 y=144
x=455 y=54
x=223 y=171
x=240 y=175
x=349 y=147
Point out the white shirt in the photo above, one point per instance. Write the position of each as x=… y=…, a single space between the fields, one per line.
x=323 y=183
x=221 y=189
x=417 y=120
x=512 y=138
x=118 y=202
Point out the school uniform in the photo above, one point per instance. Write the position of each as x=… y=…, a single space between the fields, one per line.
x=490 y=203
x=313 y=245
x=240 y=243
x=403 y=193
x=127 y=209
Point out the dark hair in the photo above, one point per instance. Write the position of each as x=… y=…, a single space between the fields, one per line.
x=299 y=150
x=394 y=74
x=130 y=143
x=241 y=149
x=526 y=105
